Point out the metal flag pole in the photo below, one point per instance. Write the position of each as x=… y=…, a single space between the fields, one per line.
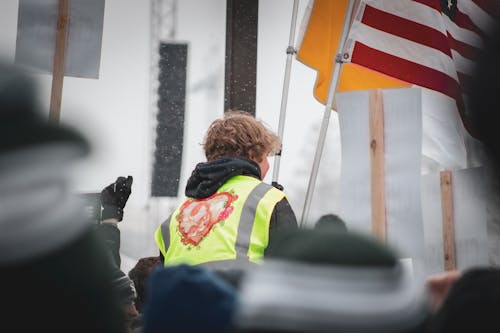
x=290 y=51
x=334 y=82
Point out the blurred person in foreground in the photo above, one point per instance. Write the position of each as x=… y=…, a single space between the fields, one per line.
x=113 y=200
x=472 y=298
x=471 y=304
x=229 y=215
x=54 y=268
x=325 y=280
x=189 y=299
x=330 y=221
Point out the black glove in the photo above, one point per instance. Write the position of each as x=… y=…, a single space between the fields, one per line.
x=114 y=197
x=277 y=185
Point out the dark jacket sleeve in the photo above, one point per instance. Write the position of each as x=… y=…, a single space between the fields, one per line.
x=282 y=218
x=166 y=240
x=110 y=234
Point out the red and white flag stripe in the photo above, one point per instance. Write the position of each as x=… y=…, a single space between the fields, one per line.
x=421 y=41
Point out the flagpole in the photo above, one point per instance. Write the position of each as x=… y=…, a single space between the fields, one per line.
x=334 y=81
x=290 y=51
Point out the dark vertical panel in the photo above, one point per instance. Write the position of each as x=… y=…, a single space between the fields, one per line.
x=241 y=55
x=170 y=120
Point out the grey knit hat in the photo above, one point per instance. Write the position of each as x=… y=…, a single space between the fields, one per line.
x=21 y=121
x=322 y=280
x=285 y=296
x=37 y=211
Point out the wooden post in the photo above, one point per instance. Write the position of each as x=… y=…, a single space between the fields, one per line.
x=241 y=55
x=448 y=229
x=59 y=61
x=379 y=223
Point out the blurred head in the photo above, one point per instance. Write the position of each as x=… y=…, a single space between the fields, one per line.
x=22 y=123
x=327 y=246
x=239 y=134
x=322 y=280
x=330 y=221
x=35 y=162
x=187 y=299
x=471 y=304
x=139 y=275
x=298 y=297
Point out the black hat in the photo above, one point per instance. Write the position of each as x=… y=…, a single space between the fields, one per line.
x=327 y=246
x=188 y=299
x=21 y=122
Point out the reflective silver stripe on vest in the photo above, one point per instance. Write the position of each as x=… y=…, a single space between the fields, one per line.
x=165 y=232
x=240 y=264
x=247 y=219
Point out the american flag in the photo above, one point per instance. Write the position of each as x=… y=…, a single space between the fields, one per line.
x=430 y=43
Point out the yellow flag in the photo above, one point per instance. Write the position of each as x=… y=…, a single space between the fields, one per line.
x=318 y=48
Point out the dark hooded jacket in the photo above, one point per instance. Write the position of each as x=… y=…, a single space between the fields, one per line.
x=208 y=177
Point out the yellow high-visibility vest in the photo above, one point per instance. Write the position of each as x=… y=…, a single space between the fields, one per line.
x=232 y=224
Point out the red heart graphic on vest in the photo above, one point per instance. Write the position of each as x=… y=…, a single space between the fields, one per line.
x=197 y=217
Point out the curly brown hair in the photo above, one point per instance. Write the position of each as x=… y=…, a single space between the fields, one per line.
x=239 y=134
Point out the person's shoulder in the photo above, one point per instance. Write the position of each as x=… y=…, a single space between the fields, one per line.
x=283 y=213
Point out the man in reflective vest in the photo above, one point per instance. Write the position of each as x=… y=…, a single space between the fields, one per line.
x=229 y=215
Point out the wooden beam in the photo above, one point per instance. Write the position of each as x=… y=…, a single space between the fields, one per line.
x=447 y=217
x=59 y=61
x=377 y=151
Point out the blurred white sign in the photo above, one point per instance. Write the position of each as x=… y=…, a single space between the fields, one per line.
x=36 y=36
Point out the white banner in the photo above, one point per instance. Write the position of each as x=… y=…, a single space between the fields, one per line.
x=403 y=149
